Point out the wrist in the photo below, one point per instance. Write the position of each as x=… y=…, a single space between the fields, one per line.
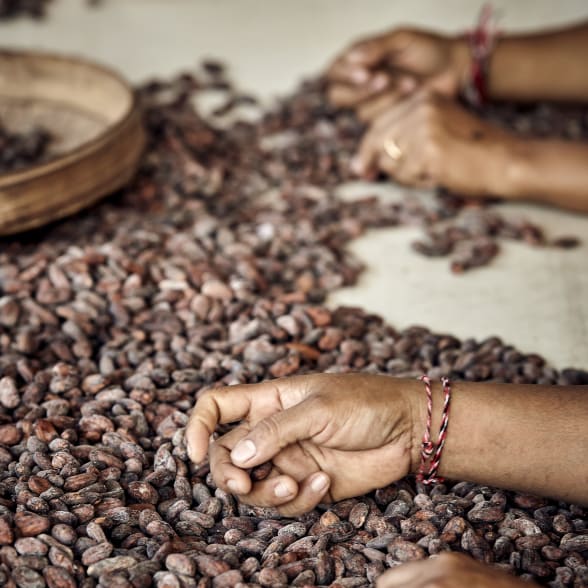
x=461 y=61
x=519 y=168
x=417 y=410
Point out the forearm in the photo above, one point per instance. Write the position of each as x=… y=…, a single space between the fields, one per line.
x=543 y=66
x=547 y=170
x=527 y=438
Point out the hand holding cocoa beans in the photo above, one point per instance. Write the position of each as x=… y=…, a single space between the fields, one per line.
x=436 y=142
x=450 y=570
x=329 y=437
x=376 y=73
x=335 y=436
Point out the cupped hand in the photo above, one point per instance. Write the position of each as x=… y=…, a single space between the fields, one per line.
x=429 y=140
x=328 y=437
x=377 y=72
x=449 y=570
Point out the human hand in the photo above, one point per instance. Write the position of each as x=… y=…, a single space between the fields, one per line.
x=376 y=73
x=328 y=436
x=429 y=140
x=449 y=570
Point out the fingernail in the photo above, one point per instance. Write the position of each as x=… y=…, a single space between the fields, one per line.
x=359 y=76
x=407 y=85
x=243 y=451
x=356 y=166
x=319 y=483
x=379 y=82
x=281 y=490
x=233 y=486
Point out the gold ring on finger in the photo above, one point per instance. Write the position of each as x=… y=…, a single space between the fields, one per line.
x=392 y=149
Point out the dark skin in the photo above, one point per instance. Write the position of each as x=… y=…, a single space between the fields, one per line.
x=328 y=436
x=404 y=83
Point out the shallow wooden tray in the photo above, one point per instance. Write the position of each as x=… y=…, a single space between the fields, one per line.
x=94 y=116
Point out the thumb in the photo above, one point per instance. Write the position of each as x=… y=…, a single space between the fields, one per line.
x=377 y=49
x=270 y=435
x=367 y=53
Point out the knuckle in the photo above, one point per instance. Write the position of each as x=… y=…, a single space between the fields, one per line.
x=204 y=397
x=362 y=44
x=218 y=478
x=207 y=400
x=321 y=403
x=269 y=428
x=403 y=34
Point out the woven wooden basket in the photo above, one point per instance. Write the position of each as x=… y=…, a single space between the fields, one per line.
x=98 y=136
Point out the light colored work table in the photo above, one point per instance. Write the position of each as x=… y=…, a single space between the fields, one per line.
x=535 y=299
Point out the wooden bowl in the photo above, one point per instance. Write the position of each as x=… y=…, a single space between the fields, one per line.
x=92 y=113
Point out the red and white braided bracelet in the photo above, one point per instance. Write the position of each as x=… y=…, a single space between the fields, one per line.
x=429 y=450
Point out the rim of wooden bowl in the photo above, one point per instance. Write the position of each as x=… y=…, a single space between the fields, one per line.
x=86 y=148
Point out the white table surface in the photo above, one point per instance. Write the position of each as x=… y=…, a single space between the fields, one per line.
x=534 y=299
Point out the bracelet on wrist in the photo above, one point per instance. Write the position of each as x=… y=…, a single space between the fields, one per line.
x=427 y=473
x=481 y=40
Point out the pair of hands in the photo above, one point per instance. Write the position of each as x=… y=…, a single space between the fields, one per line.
x=404 y=84
x=328 y=437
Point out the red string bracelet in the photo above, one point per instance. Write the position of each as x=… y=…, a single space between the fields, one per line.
x=428 y=449
x=481 y=40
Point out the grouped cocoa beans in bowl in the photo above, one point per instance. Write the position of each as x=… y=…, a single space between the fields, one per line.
x=211 y=269
x=19 y=150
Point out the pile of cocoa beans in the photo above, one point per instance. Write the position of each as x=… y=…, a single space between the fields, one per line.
x=211 y=269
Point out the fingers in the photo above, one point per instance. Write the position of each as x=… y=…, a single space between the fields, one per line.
x=370 y=149
x=278 y=490
x=373 y=107
x=406 y=143
x=355 y=66
x=343 y=72
x=366 y=69
x=410 y=168
x=213 y=408
x=378 y=49
x=225 y=405
x=272 y=491
x=275 y=491
x=290 y=499
x=270 y=435
x=234 y=403
x=312 y=491
x=226 y=475
x=347 y=95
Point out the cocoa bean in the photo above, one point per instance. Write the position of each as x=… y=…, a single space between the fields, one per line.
x=58 y=578
x=6 y=533
x=30 y=524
